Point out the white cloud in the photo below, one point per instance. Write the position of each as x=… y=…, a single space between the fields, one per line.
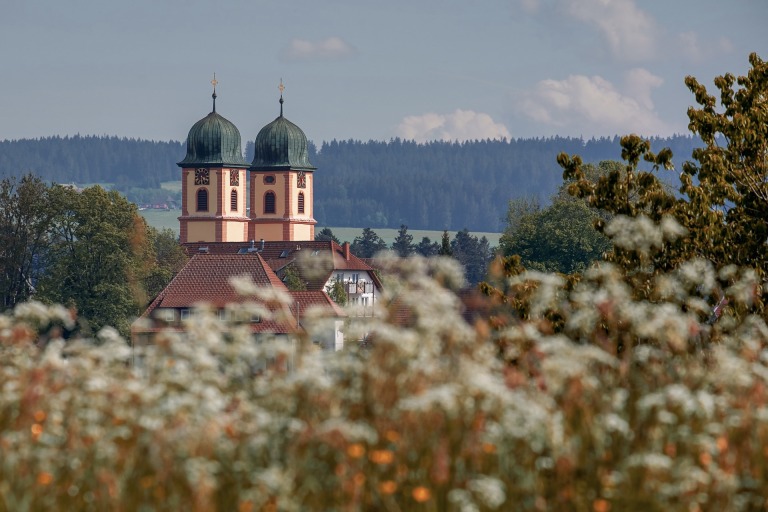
x=630 y=32
x=460 y=125
x=638 y=85
x=330 y=48
x=594 y=106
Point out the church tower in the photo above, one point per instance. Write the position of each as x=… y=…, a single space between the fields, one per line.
x=213 y=182
x=282 y=183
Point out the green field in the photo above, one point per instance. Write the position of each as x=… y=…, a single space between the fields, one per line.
x=161 y=219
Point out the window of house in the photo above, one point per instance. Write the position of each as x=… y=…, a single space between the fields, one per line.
x=185 y=313
x=233 y=200
x=202 y=200
x=301 y=202
x=269 y=202
x=340 y=277
x=166 y=314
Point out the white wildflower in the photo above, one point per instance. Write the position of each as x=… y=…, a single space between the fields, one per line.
x=650 y=461
x=638 y=234
x=697 y=272
x=463 y=500
x=671 y=229
x=443 y=396
x=351 y=430
x=489 y=491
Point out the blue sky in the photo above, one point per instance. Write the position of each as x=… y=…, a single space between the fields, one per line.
x=418 y=69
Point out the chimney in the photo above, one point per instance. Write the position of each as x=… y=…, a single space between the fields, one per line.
x=346 y=250
x=262 y=244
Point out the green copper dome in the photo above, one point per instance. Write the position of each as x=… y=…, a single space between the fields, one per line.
x=213 y=141
x=281 y=145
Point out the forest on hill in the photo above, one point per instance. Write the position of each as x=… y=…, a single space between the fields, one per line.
x=436 y=186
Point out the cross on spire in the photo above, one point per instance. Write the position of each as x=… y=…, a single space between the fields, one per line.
x=213 y=83
x=281 y=88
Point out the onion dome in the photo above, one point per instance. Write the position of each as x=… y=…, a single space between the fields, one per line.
x=281 y=145
x=213 y=141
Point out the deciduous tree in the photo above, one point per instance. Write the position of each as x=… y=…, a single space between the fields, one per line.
x=100 y=254
x=26 y=217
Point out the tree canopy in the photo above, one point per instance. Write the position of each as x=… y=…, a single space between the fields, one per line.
x=561 y=237
x=89 y=250
x=368 y=244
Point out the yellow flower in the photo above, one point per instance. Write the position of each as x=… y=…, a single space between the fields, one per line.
x=387 y=487
x=382 y=457
x=356 y=450
x=44 y=478
x=421 y=494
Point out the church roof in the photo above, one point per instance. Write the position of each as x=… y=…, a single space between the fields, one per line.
x=213 y=141
x=281 y=145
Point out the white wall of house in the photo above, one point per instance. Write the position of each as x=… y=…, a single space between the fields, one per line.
x=359 y=285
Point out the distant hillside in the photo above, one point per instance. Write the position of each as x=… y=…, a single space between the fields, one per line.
x=434 y=186
x=89 y=159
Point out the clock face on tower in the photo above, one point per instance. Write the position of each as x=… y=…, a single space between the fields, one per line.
x=301 y=179
x=202 y=177
x=234 y=178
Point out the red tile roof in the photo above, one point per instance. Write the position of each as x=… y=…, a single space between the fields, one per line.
x=205 y=278
x=279 y=254
x=317 y=299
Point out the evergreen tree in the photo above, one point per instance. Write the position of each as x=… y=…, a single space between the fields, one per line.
x=368 y=244
x=473 y=253
x=403 y=244
x=445 y=246
x=427 y=247
x=326 y=234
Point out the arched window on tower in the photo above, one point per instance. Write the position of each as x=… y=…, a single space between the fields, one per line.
x=202 y=200
x=269 y=202
x=301 y=202
x=233 y=200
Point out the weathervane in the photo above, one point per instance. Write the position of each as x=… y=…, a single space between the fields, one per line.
x=213 y=83
x=281 y=88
